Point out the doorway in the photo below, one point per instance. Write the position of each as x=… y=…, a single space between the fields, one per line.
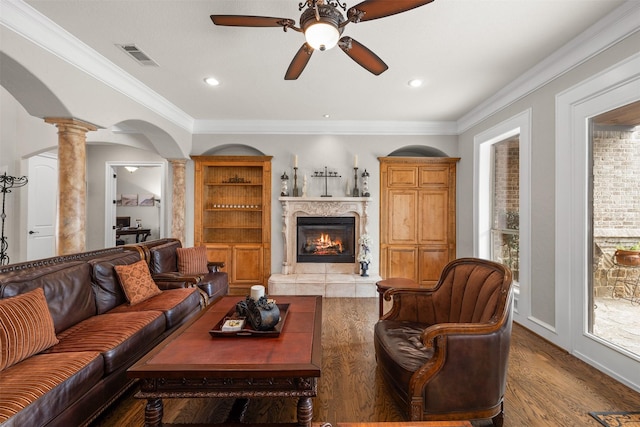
x=135 y=191
x=615 y=202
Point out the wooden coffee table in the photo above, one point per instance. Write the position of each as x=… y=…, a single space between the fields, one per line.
x=191 y=363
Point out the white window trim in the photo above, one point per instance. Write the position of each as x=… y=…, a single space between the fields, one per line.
x=619 y=85
x=482 y=201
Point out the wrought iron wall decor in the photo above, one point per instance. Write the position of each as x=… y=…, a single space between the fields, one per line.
x=8 y=183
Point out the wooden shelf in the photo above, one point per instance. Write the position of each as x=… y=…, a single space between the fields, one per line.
x=238 y=236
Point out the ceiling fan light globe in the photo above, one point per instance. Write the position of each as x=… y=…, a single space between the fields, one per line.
x=322 y=36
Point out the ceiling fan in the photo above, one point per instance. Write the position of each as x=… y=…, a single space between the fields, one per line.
x=322 y=24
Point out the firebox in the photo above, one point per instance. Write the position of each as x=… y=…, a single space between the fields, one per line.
x=326 y=239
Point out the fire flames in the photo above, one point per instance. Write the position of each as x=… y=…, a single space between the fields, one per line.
x=324 y=244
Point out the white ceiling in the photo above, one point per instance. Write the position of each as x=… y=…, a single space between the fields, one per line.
x=464 y=50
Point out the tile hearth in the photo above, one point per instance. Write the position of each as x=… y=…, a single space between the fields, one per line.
x=326 y=284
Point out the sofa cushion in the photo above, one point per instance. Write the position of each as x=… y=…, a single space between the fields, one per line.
x=65 y=286
x=136 y=282
x=26 y=327
x=39 y=388
x=192 y=260
x=106 y=286
x=176 y=304
x=163 y=258
x=118 y=336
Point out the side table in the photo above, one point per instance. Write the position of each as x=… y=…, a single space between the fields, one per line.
x=393 y=282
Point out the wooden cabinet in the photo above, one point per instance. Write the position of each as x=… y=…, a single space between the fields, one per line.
x=233 y=216
x=417 y=217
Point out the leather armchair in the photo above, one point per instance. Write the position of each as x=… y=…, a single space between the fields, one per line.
x=443 y=352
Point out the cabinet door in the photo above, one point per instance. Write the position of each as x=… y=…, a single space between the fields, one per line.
x=219 y=253
x=402 y=226
x=432 y=262
x=434 y=217
x=402 y=261
x=402 y=176
x=247 y=264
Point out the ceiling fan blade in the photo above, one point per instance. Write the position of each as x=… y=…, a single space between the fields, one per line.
x=299 y=62
x=251 y=21
x=374 y=9
x=362 y=55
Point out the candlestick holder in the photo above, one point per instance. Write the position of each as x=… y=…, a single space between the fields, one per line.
x=355 y=192
x=296 y=191
x=326 y=175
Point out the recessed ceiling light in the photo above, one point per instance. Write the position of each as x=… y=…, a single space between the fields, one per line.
x=415 y=83
x=326 y=116
x=211 y=81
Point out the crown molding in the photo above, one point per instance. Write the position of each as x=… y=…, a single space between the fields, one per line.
x=318 y=127
x=24 y=20
x=616 y=26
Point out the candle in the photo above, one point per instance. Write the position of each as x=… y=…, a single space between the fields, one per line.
x=257 y=291
x=355 y=161
x=295 y=161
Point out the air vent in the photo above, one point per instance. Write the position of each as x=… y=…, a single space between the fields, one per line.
x=140 y=57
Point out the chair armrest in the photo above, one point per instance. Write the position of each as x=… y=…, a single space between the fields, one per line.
x=215 y=266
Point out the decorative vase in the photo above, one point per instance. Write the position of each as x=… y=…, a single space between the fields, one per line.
x=364 y=266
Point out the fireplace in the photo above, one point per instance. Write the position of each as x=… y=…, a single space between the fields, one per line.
x=325 y=239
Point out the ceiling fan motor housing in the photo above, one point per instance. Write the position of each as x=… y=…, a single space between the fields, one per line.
x=326 y=14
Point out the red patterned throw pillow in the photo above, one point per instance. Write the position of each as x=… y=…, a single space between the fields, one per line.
x=26 y=327
x=192 y=260
x=136 y=282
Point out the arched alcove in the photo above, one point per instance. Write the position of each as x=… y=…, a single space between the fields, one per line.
x=233 y=150
x=418 y=151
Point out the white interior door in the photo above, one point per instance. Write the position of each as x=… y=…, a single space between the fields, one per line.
x=42 y=208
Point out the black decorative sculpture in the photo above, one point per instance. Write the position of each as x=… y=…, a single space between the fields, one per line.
x=7 y=182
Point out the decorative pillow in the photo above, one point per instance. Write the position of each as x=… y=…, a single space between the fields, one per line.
x=26 y=327
x=192 y=260
x=136 y=282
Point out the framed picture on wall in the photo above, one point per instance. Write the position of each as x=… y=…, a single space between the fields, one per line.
x=129 y=200
x=145 y=199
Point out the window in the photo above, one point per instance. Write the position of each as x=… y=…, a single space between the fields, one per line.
x=505 y=212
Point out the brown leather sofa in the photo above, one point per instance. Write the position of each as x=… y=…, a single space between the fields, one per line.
x=163 y=264
x=100 y=336
x=443 y=351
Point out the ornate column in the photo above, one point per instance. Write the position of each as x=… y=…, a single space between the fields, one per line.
x=178 y=198
x=72 y=165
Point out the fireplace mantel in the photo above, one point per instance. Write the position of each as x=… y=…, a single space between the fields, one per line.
x=294 y=207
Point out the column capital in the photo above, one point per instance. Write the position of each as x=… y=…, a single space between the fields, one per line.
x=177 y=161
x=69 y=124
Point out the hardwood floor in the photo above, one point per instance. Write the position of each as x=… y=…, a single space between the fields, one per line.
x=546 y=386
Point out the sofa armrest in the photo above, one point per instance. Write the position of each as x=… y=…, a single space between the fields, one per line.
x=176 y=280
x=215 y=266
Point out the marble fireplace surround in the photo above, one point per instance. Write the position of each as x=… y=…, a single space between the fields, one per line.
x=327 y=279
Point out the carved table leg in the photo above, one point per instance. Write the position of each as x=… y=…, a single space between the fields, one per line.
x=153 y=413
x=305 y=412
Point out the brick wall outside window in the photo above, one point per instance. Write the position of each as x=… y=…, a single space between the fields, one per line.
x=616 y=203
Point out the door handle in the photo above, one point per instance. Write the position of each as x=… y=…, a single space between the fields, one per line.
x=33 y=232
